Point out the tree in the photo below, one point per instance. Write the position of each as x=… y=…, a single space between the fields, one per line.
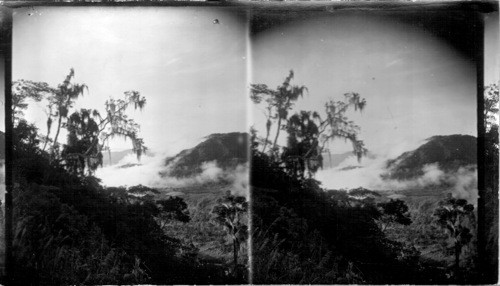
x=24 y=90
x=279 y=102
x=308 y=132
x=79 y=152
x=488 y=202
x=491 y=95
x=173 y=208
x=393 y=211
x=230 y=213
x=303 y=151
x=452 y=215
x=62 y=100
x=88 y=131
x=491 y=105
x=117 y=124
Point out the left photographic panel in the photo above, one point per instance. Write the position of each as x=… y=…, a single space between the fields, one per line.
x=130 y=145
x=5 y=49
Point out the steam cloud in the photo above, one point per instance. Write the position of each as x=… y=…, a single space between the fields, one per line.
x=147 y=173
x=351 y=174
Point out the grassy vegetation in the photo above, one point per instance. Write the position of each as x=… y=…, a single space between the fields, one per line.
x=211 y=242
x=71 y=230
x=432 y=241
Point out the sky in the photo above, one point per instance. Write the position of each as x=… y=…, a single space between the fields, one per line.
x=416 y=84
x=415 y=71
x=192 y=72
x=491 y=48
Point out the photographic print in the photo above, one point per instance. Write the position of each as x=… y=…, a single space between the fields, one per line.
x=3 y=245
x=249 y=143
x=364 y=154
x=130 y=155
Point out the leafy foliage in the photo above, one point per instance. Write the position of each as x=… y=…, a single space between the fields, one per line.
x=279 y=103
x=82 y=233
x=79 y=151
x=491 y=156
x=205 y=241
x=24 y=90
x=117 y=123
x=71 y=230
x=452 y=215
x=394 y=211
x=308 y=132
x=88 y=132
x=173 y=208
x=230 y=213
x=491 y=105
x=62 y=100
x=304 y=234
x=56 y=244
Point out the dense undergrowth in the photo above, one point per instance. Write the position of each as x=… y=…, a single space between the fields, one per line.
x=305 y=234
x=68 y=229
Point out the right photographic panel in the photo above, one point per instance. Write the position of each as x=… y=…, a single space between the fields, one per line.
x=365 y=147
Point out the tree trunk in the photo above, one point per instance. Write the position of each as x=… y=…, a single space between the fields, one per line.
x=58 y=129
x=279 y=122
x=267 y=138
x=49 y=123
x=277 y=132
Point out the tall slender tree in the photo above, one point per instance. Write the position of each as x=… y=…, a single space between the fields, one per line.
x=230 y=213
x=24 y=90
x=308 y=132
x=279 y=102
x=63 y=99
x=88 y=132
x=453 y=214
x=488 y=205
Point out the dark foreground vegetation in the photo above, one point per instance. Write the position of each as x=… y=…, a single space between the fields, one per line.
x=70 y=230
x=305 y=234
x=302 y=233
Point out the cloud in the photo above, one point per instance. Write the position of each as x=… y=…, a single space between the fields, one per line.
x=351 y=174
x=394 y=62
x=147 y=173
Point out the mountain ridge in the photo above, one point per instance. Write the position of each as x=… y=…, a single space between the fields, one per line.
x=449 y=152
x=227 y=150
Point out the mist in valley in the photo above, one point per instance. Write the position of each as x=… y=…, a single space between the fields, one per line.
x=369 y=173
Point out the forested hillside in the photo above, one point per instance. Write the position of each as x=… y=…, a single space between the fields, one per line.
x=303 y=233
x=68 y=229
x=228 y=150
x=448 y=152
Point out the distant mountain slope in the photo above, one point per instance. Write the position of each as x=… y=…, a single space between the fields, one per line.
x=227 y=150
x=448 y=152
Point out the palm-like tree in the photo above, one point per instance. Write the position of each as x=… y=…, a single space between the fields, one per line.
x=279 y=102
x=230 y=213
x=308 y=132
x=452 y=215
